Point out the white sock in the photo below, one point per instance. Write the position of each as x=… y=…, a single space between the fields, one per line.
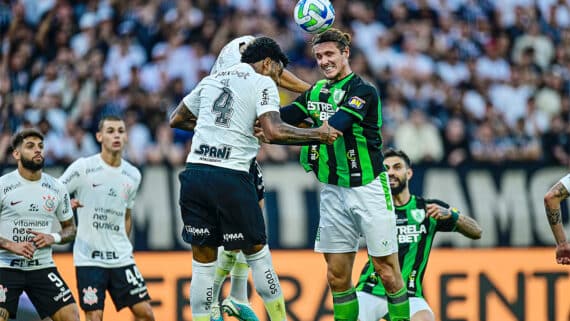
x=201 y=289
x=267 y=284
x=224 y=264
x=239 y=276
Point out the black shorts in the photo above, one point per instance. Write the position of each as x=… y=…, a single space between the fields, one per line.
x=125 y=284
x=219 y=206
x=46 y=289
x=257 y=175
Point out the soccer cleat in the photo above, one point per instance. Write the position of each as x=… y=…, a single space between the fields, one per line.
x=241 y=311
x=216 y=313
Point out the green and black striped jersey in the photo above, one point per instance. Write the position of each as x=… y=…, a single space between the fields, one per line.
x=416 y=233
x=354 y=159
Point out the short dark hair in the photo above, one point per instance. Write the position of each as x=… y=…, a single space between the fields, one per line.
x=19 y=137
x=335 y=35
x=391 y=152
x=261 y=48
x=108 y=117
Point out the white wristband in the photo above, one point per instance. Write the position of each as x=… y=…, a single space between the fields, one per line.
x=56 y=237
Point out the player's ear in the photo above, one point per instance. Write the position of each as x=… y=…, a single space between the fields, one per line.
x=99 y=137
x=410 y=173
x=16 y=153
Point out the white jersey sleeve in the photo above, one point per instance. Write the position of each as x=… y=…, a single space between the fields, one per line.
x=230 y=55
x=71 y=178
x=566 y=182
x=192 y=100
x=267 y=96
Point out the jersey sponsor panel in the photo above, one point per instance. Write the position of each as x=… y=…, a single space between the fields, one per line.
x=106 y=193
x=30 y=205
x=354 y=159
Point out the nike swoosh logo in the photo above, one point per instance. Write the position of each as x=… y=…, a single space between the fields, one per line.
x=95 y=185
x=142 y=294
x=15 y=203
x=65 y=299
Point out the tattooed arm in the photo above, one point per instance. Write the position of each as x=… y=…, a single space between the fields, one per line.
x=182 y=118
x=278 y=132
x=552 y=201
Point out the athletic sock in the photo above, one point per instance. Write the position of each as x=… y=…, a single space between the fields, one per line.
x=399 y=305
x=224 y=264
x=345 y=305
x=267 y=284
x=201 y=290
x=239 y=276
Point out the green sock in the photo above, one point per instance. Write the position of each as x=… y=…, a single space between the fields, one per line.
x=345 y=305
x=399 y=305
x=276 y=309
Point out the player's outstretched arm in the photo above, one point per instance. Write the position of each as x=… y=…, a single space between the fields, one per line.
x=289 y=81
x=278 y=132
x=463 y=224
x=552 y=201
x=182 y=118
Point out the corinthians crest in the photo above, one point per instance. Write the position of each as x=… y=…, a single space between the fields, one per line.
x=90 y=296
x=418 y=215
x=49 y=204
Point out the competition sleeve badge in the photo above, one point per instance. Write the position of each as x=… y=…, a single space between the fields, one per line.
x=356 y=102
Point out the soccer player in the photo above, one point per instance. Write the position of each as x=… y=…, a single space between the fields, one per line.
x=237 y=303
x=418 y=220
x=218 y=200
x=355 y=194
x=552 y=200
x=105 y=187
x=29 y=202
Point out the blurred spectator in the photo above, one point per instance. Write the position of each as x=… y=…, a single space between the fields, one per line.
x=419 y=138
x=163 y=150
x=455 y=143
x=556 y=142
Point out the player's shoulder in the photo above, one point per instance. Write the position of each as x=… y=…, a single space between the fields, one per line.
x=361 y=85
x=8 y=178
x=50 y=182
x=130 y=170
x=436 y=201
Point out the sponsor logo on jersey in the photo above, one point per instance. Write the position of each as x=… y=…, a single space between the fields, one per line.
x=50 y=187
x=351 y=156
x=338 y=95
x=49 y=203
x=96 y=185
x=195 y=231
x=93 y=169
x=213 y=153
x=3 y=291
x=320 y=110
x=34 y=208
x=126 y=191
x=418 y=214
x=229 y=237
x=112 y=192
x=90 y=296
x=410 y=233
x=104 y=255
x=239 y=74
x=11 y=187
x=12 y=203
x=70 y=177
x=356 y=102
x=313 y=153
x=264 y=97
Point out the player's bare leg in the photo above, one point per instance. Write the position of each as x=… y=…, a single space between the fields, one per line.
x=69 y=312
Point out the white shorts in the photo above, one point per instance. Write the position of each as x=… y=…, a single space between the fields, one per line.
x=349 y=213
x=373 y=308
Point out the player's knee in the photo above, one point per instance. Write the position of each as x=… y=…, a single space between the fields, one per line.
x=338 y=279
x=143 y=311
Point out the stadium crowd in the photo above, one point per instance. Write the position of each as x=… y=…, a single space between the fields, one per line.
x=461 y=81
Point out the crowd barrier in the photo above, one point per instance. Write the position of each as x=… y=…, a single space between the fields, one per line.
x=460 y=285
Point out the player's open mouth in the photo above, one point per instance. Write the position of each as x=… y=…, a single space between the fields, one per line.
x=117 y=144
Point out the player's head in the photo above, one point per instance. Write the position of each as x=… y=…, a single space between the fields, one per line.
x=332 y=49
x=399 y=169
x=266 y=57
x=28 y=149
x=112 y=134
